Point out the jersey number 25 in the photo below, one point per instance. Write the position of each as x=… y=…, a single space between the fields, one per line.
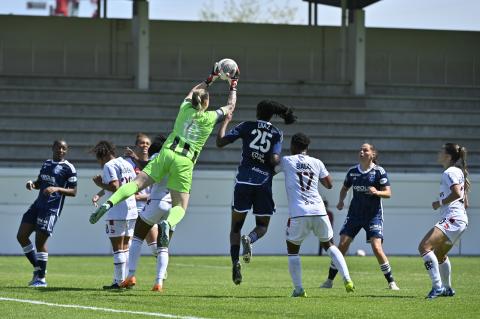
x=261 y=141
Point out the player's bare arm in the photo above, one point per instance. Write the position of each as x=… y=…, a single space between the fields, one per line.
x=453 y=196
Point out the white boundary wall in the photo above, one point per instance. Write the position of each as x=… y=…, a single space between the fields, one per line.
x=205 y=229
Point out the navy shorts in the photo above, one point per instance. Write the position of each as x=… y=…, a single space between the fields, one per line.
x=373 y=227
x=43 y=218
x=259 y=197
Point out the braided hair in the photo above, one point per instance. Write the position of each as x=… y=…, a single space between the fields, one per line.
x=267 y=108
x=103 y=149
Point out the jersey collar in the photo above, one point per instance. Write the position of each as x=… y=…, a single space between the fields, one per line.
x=368 y=170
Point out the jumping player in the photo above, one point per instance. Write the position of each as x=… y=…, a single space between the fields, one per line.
x=57 y=179
x=120 y=221
x=452 y=203
x=155 y=210
x=179 y=153
x=370 y=184
x=262 y=144
x=307 y=210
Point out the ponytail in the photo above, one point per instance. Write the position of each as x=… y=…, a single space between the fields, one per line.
x=463 y=162
x=456 y=153
x=267 y=108
x=198 y=98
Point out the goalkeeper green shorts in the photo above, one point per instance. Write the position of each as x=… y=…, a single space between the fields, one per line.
x=176 y=167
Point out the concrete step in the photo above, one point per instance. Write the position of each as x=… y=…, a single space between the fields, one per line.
x=423 y=90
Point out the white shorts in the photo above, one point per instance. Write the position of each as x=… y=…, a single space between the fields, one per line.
x=452 y=228
x=298 y=228
x=117 y=228
x=155 y=210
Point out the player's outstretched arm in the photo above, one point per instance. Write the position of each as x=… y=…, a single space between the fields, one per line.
x=221 y=140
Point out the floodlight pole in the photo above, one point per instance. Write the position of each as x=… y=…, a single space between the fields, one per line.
x=141 y=42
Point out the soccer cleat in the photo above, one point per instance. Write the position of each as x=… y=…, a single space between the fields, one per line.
x=129 y=282
x=247 y=248
x=164 y=239
x=157 y=287
x=95 y=217
x=236 y=273
x=349 y=286
x=113 y=286
x=39 y=283
x=34 y=277
x=299 y=293
x=393 y=286
x=434 y=293
x=449 y=292
x=327 y=284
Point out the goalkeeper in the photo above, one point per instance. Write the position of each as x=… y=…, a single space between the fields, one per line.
x=179 y=153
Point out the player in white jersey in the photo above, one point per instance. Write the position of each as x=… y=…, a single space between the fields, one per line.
x=138 y=157
x=452 y=202
x=155 y=210
x=307 y=211
x=120 y=220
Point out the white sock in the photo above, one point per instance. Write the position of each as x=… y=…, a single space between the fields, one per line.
x=162 y=264
x=127 y=262
x=431 y=264
x=119 y=258
x=134 y=255
x=339 y=261
x=295 y=268
x=153 y=248
x=445 y=269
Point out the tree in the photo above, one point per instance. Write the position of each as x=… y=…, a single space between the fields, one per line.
x=249 y=11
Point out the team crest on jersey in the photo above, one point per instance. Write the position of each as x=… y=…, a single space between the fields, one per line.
x=57 y=169
x=371 y=176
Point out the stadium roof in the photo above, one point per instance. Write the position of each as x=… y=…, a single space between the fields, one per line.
x=351 y=4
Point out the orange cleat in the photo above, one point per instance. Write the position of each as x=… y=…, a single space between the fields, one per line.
x=157 y=287
x=129 y=282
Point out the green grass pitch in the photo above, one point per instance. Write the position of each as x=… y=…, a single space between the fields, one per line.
x=201 y=287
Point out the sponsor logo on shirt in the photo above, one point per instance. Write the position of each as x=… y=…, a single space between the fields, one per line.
x=360 y=188
x=48 y=178
x=258 y=170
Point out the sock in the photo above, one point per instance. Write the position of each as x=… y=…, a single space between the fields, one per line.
x=153 y=248
x=332 y=271
x=119 y=266
x=234 y=253
x=134 y=255
x=445 y=269
x=253 y=237
x=124 y=192
x=431 y=264
x=295 y=268
x=126 y=265
x=30 y=253
x=339 y=261
x=42 y=259
x=387 y=271
x=175 y=215
x=162 y=264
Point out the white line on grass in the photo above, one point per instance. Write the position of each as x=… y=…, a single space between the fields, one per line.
x=151 y=314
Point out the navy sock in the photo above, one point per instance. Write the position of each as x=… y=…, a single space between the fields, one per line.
x=253 y=237
x=234 y=253
x=30 y=253
x=42 y=259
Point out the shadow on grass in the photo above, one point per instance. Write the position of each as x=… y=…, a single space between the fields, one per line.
x=56 y=289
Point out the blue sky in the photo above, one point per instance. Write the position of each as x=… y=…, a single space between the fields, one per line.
x=416 y=14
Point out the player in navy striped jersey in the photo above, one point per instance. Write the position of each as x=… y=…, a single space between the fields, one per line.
x=57 y=179
x=370 y=184
x=262 y=144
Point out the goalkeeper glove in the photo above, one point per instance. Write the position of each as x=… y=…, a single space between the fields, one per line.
x=95 y=217
x=213 y=75
x=233 y=80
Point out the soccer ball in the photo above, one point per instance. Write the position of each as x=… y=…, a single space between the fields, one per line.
x=227 y=68
x=361 y=253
